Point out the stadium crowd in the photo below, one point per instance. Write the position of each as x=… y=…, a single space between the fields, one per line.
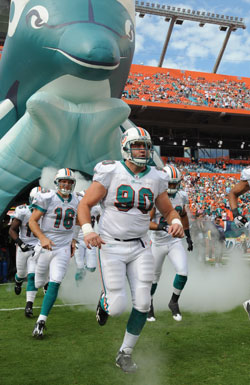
x=196 y=90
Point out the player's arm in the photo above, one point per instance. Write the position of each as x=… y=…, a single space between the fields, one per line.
x=163 y=226
x=14 y=234
x=93 y=195
x=152 y=225
x=164 y=205
x=14 y=229
x=240 y=188
x=185 y=224
x=36 y=215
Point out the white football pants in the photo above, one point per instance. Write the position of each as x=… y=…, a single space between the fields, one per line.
x=52 y=264
x=175 y=252
x=118 y=260
x=85 y=257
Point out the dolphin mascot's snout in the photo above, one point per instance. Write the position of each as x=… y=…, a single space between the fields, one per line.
x=89 y=51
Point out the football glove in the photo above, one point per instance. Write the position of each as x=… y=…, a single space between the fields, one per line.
x=241 y=221
x=190 y=244
x=163 y=226
x=23 y=246
x=26 y=247
x=189 y=240
x=92 y=220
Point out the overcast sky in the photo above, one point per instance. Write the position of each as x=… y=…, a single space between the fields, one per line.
x=192 y=47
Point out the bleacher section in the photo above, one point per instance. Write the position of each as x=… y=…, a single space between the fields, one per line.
x=196 y=90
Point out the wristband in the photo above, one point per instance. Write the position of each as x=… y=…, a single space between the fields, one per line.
x=177 y=221
x=18 y=241
x=87 y=229
x=235 y=212
x=187 y=233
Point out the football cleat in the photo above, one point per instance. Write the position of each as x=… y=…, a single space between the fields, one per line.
x=101 y=315
x=124 y=361
x=151 y=314
x=174 y=307
x=28 y=312
x=18 y=287
x=246 y=306
x=38 y=329
x=80 y=274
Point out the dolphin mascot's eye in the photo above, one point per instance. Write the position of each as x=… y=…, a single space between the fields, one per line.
x=129 y=30
x=38 y=16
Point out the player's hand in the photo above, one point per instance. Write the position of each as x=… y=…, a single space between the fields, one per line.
x=163 y=226
x=26 y=247
x=46 y=243
x=241 y=221
x=176 y=231
x=93 y=240
x=190 y=244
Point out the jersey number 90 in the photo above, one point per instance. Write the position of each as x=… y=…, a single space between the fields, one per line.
x=125 y=198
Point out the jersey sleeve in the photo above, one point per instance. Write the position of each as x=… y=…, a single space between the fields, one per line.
x=19 y=213
x=103 y=172
x=245 y=174
x=163 y=186
x=42 y=200
x=184 y=197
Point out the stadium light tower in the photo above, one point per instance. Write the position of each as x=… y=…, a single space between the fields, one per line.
x=177 y=15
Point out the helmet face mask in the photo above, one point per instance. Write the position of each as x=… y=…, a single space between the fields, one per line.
x=174 y=179
x=65 y=174
x=132 y=137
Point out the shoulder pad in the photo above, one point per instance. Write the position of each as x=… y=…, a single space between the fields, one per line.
x=105 y=166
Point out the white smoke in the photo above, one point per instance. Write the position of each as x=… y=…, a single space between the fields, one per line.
x=48 y=175
x=208 y=288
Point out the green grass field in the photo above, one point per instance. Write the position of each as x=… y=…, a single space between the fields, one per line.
x=205 y=348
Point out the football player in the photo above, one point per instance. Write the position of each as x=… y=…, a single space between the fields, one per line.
x=85 y=258
x=241 y=221
x=127 y=190
x=164 y=244
x=25 y=240
x=56 y=211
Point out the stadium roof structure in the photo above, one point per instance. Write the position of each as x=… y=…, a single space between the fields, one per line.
x=197 y=128
x=4 y=19
x=177 y=15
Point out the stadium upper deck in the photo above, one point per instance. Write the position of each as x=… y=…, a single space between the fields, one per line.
x=187 y=89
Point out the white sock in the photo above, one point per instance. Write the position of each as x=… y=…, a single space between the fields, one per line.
x=42 y=318
x=129 y=342
x=30 y=296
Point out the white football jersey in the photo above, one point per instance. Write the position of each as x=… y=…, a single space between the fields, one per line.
x=178 y=202
x=129 y=199
x=245 y=174
x=23 y=213
x=59 y=217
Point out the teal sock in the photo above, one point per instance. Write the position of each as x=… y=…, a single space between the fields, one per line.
x=17 y=279
x=136 y=322
x=31 y=283
x=180 y=281
x=50 y=298
x=153 y=288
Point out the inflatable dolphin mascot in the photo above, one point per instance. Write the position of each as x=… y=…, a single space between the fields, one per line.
x=62 y=73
